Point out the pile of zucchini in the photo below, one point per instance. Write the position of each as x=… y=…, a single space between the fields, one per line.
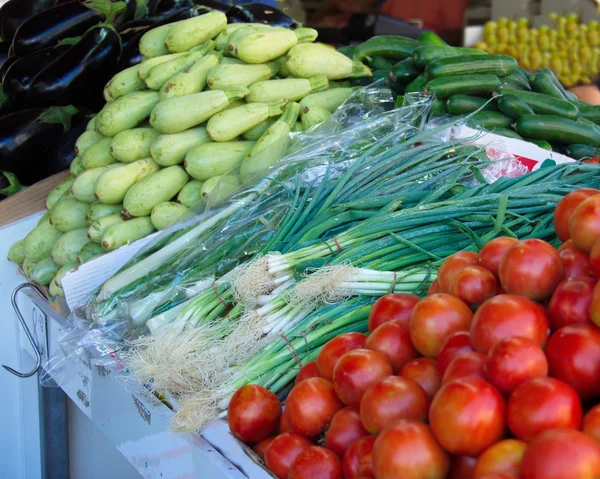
x=189 y=124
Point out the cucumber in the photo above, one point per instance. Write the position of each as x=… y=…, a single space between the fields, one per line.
x=399 y=103
x=589 y=112
x=417 y=85
x=464 y=104
x=85 y=140
x=438 y=108
x=498 y=130
x=89 y=252
x=189 y=33
x=190 y=194
x=424 y=55
x=98 y=228
x=169 y=150
x=541 y=143
x=221 y=77
x=125 y=82
x=513 y=106
x=132 y=145
x=192 y=81
x=498 y=65
x=56 y=192
x=544 y=105
x=380 y=75
x=83 y=187
x=580 y=152
x=465 y=84
x=387 y=46
x=523 y=73
x=214 y=159
x=489 y=119
x=569 y=95
x=219 y=189
x=127 y=232
x=68 y=214
x=429 y=38
x=347 y=50
x=28 y=266
x=16 y=253
x=404 y=72
x=166 y=214
x=509 y=83
x=379 y=63
x=292 y=89
x=69 y=245
x=100 y=210
x=544 y=81
x=76 y=167
x=126 y=112
x=558 y=129
x=255 y=133
x=44 y=271
x=229 y=124
x=98 y=155
x=110 y=188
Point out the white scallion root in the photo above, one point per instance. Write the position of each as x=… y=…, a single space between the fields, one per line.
x=197 y=410
x=252 y=280
x=324 y=285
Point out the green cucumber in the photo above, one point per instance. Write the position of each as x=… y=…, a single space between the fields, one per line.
x=429 y=38
x=513 y=106
x=463 y=84
x=438 y=108
x=16 y=253
x=489 y=119
x=545 y=105
x=509 y=83
x=424 y=55
x=558 y=129
x=347 y=50
x=387 y=46
x=100 y=210
x=127 y=232
x=569 y=95
x=69 y=214
x=464 y=104
x=58 y=191
x=405 y=71
x=498 y=130
x=589 y=112
x=379 y=63
x=498 y=65
x=44 y=271
x=544 y=81
x=166 y=214
x=191 y=193
x=89 y=252
x=69 y=245
x=417 y=85
x=580 y=152
x=541 y=143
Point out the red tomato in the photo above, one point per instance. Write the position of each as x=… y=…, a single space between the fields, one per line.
x=493 y=251
x=434 y=318
x=284 y=424
x=335 y=349
x=310 y=406
x=505 y=316
x=391 y=399
x=467 y=364
x=561 y=454
x=425 y=373
x=564 y=210
x=575 y=263
x=473 y=285
x=591 y=423
x=356 y=371
x=467 y=416
x=566 y=245
x=584 y=225
x=408 y=450
x=316 y=462
x=345 y=428
x=573 y=354
x=504 y=457
x=462 y=467
x=253 y=413
x=434 y=288
x=531 y=268
x=595 y=306
x=393 y=340
x=452 y=265
x=497 y=476
x=392 y=307
x=358 y=459
x=309 y=370
x=514 y=360
x=571 y=302
x=594 y=259
x=540 y=404
x=283 y=451
x=262 y=446
x=454 y=345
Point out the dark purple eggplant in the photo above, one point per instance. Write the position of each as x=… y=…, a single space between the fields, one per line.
x=14 y=12
x=161 y=7
x=6 y=64
x=78 y=76
x=259 y=13
x=4 y=47
x=63 y=153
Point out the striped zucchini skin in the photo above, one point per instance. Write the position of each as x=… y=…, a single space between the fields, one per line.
x=499 y=65
x=557 y=129
x=463 y=84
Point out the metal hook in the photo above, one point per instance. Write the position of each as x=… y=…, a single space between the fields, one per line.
x=38 y=355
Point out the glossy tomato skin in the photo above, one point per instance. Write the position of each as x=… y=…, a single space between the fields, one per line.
x=425 y=373
x=392 y=307
x=358 y=459
x=566 y=245
x=508 y=315
x=356 y=371
x=283 y=451
x=315 y=462
x=564 y=209
x=473 y=285
x=454 y=345
x=531 y=268
x=492 y=252
x=253 y=413
x=539 y=404
x=462 y=467
x=262 y=446
x=514 y=360
x=591 y=423
x=571 y=302
x=311 y=405
x=345 y=428
x=434 y=288
x=595 y=306
x=390 y=400
x=393 y=340
x=504 y=457
x=409 y=450
x=434 y=318
x=584 y=225
x=594 y=259
x=575 y=263
x=284 y=424
x=467 y=364
x=467 y=416
x=335 y=349
x=309 y=370
x=561 y=454
x=452 y=265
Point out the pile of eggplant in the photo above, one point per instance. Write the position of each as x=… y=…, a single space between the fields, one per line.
x=56 y=57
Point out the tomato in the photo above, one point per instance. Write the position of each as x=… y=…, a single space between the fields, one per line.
x=462 y=467
x=309 y=370
x=284 y=424
x=434 y=288
x=497 y=476
x=473 y=285
x=514 y=360
x=436 y=317
x=425 y=373
x=356 y=371
x=504 y=457
x=566 y=245
x=539 y=404
x=505 y=316
x=315 y=462
x=564 y=209
x=531 y=268
x=595 y=306
x=573 y=354
x=467 y=364
x=454 y=345
x=345 y=428
x=358 y=459
x=467 y=416
x=393 y=340
x=391 y=399
x=452 y=265
x=283 y=451
x=335 y=349
x=392 y=307
x=571 y=302
x=575 y=263
x=311 y=405
x=594 y=259
x=253 y=413
x=561 y=454
x=584 y=225
x=409 y=450
x=262 y=446
x=591 y=423
x=492 y=252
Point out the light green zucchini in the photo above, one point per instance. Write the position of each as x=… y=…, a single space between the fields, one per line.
x=214 y=159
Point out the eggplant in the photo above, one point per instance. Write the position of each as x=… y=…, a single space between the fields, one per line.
x=60 y=157
x=79 y=75
x=4 y=48
x=161 y=7
x=6 y=64
x=14 y=12
x=47 y=28
x=259 y=13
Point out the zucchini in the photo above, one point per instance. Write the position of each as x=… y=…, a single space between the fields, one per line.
x=264 y=46
x=16 y=253
x=499 y=65
x=123 y=83
x=404 y=72
x=125 y=112
x=44 y=271
x=466 y=84
x=229 y=124
x=58 y=191
x=89 y=252
x=544 y=81
x=98 y=155
x=541 y=143
x=464 y=104
x=580 y=152
x=219 y=189
x=69 y=245
x=100 y=210
x=191 y=32
x=190 y=194
x=83 y=186
x=127 y=232
x=430 y=38
x=545 y=105
x=557 y=129
x=132 y=145
x=76 y=167
x=417 y=85
x=424 y=55
x=193 y=80
x=112 y=184
x=69 y=214
x=514 y=107
x=166 y=214
x=307 y=60
x=387 y=46
x=85 y=140
x=98 y=228
x=214 y=159
x=498 y=130
x=489 y=119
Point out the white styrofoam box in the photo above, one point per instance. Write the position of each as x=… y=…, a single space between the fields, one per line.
x=472 y=35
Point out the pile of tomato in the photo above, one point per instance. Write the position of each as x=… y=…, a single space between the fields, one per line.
x=495 y=374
